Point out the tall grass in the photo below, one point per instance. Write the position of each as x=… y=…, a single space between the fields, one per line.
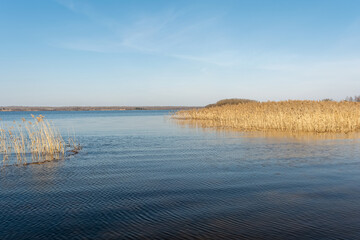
x=32 y=142
x=290 y=116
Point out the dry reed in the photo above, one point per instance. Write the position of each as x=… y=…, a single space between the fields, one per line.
x=287 y=116
x=32 y=142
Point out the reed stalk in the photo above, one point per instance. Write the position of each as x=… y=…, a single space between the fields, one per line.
x=287 y=116
x=38 y=140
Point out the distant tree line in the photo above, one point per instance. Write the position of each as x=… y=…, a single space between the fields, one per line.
x=353 y=99
x=231 y=101
x=89 y=108
x=235 y=101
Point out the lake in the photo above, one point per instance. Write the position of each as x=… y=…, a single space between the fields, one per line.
x=141 y=175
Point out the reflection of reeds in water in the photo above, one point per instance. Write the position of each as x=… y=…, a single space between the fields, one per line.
x=37 y=140
x=287 y=116
x=208 y=126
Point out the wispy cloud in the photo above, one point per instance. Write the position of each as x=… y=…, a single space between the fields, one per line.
x=335 y=78
x=68 y=4
x=160 y=35
x=169 y=33
x=223 y=59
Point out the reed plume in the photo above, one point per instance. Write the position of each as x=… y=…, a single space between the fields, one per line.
x=291 y=116
x=32 y=142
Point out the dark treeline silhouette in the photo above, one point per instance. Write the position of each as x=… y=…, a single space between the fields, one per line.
x=353 y=99
x=231 y=101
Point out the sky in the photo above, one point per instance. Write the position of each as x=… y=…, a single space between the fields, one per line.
x=176 y=52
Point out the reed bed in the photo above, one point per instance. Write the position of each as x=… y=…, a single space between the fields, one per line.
x=32 y=142
x=286 y=116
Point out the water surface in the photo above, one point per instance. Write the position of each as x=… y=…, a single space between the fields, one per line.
x=142 y=176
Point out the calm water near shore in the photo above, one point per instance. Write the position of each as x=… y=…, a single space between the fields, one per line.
x=141 y=175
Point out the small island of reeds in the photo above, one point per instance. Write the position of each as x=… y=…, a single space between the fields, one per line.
x=287 y=116
x=36 y=141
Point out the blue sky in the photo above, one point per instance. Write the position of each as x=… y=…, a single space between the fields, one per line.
x=113 y=52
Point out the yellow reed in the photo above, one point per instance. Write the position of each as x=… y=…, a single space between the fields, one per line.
x=38 y=140
x=290 y=116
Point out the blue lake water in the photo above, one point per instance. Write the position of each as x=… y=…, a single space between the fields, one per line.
x=141 y=175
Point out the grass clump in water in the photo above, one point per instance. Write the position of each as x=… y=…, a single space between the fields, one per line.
x=33 y=141
x=291 y=116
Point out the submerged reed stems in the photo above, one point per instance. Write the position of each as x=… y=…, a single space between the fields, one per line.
x=287 y=116
x=32 y=142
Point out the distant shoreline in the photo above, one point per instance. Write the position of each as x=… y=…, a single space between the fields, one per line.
x=79 y=108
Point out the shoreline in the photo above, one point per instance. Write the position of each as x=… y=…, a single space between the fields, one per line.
x=90 y=108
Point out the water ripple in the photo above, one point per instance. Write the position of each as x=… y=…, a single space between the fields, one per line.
x=171 y=183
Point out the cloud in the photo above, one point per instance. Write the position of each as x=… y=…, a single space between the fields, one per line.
x=173 y=34
x=69 y=4
x=218 y=59
x=315 y=67
x=167 y=34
